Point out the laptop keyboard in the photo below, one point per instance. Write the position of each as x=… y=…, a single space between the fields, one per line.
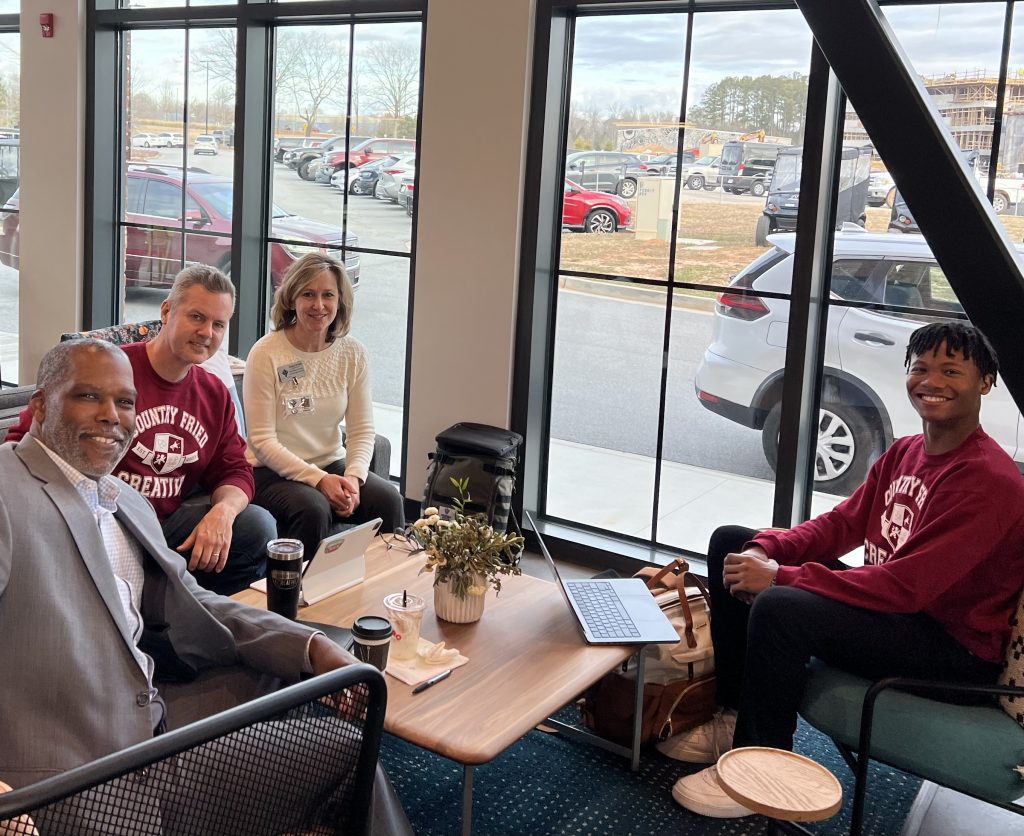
x=602 y=610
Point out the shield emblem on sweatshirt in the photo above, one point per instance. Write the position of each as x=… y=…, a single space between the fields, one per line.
x=168 y=453
x=896 y=525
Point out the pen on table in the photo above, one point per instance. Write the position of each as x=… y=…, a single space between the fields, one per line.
x=432 y=681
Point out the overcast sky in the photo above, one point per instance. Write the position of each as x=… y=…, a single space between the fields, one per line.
x=638 y=59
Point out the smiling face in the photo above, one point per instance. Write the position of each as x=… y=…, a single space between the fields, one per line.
x=316 y=304
x=194 y=326
x=88 y=419
x=945 y=389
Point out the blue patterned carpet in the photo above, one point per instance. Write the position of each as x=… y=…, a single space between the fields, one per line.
x=546 y=784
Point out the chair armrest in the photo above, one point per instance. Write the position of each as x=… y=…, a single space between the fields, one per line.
x=371 y=694
x=380 y=461
x=934 y=686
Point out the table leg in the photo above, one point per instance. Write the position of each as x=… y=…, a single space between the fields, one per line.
x=638 y=711
x=467 y=800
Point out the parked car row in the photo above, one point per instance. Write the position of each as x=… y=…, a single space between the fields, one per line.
x=154 y=225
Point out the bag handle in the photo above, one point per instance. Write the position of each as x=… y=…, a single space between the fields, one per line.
x=654 y=577
x=679 y=573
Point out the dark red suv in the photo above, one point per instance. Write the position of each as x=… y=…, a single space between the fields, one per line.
x=153 y=256
x=365 y=152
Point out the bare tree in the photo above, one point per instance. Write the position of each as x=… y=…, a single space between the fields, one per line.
x=310 y=69
x=391 y=72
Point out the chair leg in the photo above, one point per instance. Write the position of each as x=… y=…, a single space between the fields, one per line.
x=777 y=827
x=849 y=755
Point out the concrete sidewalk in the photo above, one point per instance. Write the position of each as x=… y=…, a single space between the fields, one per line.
x=614 y=491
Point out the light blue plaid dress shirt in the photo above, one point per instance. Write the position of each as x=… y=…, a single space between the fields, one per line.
x=123 y=550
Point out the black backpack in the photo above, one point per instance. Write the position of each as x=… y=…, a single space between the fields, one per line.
x=486 y=456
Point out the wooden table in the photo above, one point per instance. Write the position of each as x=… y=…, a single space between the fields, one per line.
x=527 y=659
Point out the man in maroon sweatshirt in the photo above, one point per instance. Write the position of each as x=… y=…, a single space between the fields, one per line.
x=186 y=439
x=941 y=520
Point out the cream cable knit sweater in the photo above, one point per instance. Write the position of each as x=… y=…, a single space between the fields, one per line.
x=296 y=446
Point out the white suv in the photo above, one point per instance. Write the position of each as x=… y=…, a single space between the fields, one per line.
x=864 y=404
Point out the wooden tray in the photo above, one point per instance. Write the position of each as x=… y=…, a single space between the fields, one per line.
x=780 y=784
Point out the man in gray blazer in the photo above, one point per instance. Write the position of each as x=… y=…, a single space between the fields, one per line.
x=95 y=610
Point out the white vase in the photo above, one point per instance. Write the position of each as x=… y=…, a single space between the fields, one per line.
x=450 y=607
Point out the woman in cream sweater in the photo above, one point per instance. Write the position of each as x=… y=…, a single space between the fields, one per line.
x=304 y=380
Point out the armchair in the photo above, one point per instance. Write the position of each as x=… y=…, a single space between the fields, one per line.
x=974 y=749
x=283 y=763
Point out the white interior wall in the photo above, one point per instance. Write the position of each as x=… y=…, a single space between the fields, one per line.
x=52 y=173
x=471 y=162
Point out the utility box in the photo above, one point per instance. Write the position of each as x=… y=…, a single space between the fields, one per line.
x=653 y=218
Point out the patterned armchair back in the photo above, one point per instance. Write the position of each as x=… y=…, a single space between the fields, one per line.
x=129 y=332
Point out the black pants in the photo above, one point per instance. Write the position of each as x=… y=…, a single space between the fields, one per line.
x=303 y=513
x=762 y=650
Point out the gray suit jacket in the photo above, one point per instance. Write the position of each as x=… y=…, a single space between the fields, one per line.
x=72 y=690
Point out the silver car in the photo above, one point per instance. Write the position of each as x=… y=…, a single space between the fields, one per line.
x=864 y=404
x=391 y=177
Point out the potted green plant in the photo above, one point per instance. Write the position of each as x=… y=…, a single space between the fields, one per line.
x=466 y=556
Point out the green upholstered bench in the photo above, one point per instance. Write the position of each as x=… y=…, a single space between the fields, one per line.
x=973 y=749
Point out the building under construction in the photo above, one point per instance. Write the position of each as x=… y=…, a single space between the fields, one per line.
x=967 y=101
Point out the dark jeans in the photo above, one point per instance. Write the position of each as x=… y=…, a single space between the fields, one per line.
x=303 y=513
x=247 y=557
x=762 y=650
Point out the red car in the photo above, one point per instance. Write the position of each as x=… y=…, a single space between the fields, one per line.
x=593 y=211
x=153 y=256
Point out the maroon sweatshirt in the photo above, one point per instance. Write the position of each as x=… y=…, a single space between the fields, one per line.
x=942 y=534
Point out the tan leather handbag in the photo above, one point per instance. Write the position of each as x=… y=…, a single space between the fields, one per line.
x=679 y=679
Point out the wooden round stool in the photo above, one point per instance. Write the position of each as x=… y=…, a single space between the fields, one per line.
x=780 y=784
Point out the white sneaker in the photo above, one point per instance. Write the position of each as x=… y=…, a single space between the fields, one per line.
x=702 y=793
x=705 y=743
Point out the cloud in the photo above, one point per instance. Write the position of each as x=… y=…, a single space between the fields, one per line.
x=638 y=59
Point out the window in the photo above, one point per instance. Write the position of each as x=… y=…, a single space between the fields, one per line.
x=646 y=382
x=10 y=183
x=670 y=328
x=343 y=95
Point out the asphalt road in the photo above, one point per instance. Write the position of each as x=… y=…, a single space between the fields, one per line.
x=608 y=353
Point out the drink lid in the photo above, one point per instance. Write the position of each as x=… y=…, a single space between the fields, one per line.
x=285 y=545
x=413 y=603
x=371 y=627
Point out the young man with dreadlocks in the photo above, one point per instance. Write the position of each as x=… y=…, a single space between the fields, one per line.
x=941 y=520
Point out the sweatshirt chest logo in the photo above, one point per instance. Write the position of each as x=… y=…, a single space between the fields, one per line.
x=163 y=436
x=904 y=499
x=897 y=522
x=167 y=455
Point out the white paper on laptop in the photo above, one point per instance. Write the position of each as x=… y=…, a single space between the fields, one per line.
x=338 y=563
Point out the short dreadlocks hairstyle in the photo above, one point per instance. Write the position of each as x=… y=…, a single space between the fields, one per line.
x=958 y=336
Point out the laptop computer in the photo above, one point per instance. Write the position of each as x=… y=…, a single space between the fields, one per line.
x=614 y=611
x=337 y=564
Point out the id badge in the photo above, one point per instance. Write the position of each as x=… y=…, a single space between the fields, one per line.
x=298 y=403
x=291 y=372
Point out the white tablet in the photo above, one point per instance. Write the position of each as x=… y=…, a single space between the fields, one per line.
x=338 y=563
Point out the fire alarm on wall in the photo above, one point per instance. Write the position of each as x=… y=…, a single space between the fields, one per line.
x=46 y=24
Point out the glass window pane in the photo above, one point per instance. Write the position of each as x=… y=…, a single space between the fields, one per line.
x=380 y=323
x=604 y=407
x=955 y=49
x=385 y=102
x=10 y=182
x=618 y=124
x=179 y=171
